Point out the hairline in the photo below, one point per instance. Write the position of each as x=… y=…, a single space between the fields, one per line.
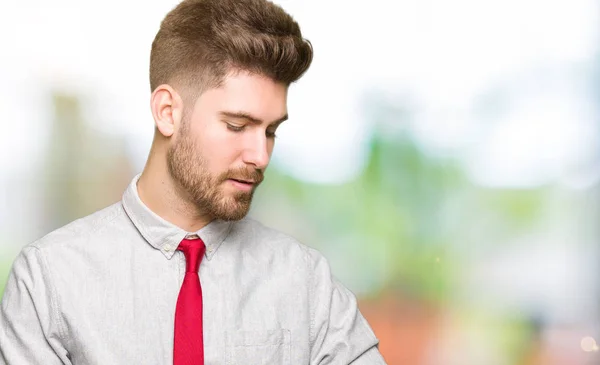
x=191 y=94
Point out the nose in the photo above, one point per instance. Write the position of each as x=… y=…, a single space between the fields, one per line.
x=258 y=152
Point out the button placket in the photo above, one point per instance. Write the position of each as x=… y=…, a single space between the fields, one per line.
x=180 y=265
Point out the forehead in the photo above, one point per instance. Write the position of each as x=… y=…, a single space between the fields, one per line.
x=246 y=92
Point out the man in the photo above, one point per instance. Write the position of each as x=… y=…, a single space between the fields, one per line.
x=122 y=286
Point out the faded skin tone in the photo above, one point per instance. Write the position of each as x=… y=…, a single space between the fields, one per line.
x=207 y=159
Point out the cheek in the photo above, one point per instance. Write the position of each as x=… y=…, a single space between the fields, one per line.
x=220 y=152
x=271 y=146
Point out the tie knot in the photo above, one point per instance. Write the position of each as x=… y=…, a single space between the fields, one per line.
x=193 y=250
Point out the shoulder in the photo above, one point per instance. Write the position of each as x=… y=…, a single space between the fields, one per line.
x=272 y=243
x=78 y=231
x=59 y=248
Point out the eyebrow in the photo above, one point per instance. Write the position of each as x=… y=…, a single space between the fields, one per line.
x=250 y=118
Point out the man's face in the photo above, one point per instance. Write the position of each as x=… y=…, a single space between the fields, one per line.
x=225 y=142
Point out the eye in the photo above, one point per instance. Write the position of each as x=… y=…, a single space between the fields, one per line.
x=235 y=128
x=271 y=134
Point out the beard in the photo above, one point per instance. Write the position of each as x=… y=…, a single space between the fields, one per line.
x=207 y=192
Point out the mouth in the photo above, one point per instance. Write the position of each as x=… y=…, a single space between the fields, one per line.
x=249 y=182
x=243 y=185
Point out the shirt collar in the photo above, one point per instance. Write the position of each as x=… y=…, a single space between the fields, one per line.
x=163 y=235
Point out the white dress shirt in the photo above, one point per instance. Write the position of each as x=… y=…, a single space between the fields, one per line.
x=103 y=290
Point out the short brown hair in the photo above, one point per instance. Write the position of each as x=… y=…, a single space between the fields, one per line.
x=200 y=41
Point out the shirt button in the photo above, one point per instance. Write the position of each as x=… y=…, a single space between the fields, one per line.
x=209 y=249
x=168 y=248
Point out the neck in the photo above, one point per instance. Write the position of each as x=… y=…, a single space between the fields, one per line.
x=161 y=194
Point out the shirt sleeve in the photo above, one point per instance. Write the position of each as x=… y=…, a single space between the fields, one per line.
x=28 y=318
x=339 y=333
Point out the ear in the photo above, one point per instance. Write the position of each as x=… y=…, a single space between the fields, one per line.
x=167 y=109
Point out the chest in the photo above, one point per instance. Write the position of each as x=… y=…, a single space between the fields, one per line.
x=250 y=316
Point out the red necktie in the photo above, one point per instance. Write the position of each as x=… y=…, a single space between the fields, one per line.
x=188 y=348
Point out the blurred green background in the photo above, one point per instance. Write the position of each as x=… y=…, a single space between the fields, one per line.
x=444 y=156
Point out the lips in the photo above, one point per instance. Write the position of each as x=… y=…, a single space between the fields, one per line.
x=249 y=182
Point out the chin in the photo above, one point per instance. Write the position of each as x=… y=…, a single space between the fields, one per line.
x=232 y=210
x=233 y=215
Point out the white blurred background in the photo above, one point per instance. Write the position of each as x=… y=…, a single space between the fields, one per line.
x=449 y=150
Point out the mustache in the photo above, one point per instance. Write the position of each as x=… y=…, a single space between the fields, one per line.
x=256 y=175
